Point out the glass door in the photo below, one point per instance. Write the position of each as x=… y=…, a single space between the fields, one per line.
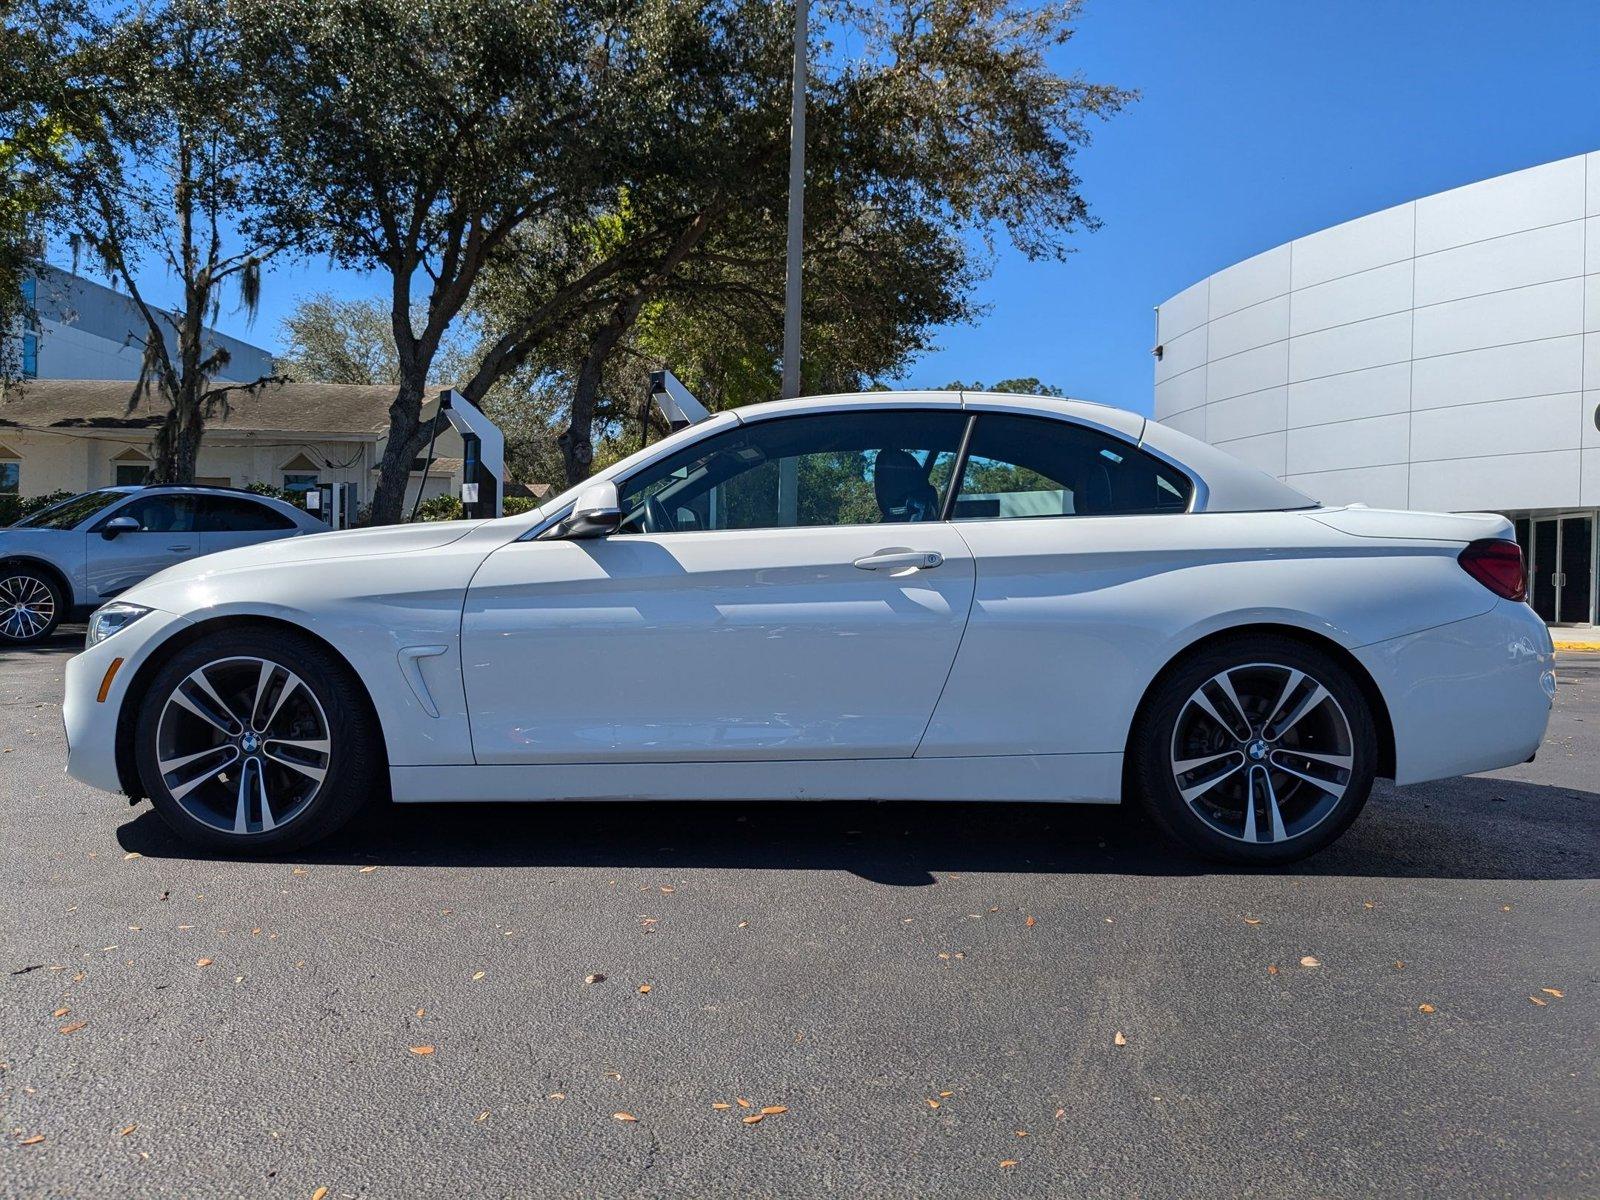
x=1575 y=587
x=1544 y=556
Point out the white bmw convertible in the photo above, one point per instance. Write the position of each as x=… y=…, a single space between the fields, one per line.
x=929 y=596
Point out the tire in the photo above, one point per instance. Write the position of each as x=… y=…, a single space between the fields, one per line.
x=31 y=605
x=1274 y=790
x=289 y=726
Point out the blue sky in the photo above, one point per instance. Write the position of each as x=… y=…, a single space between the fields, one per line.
x=1258 y=122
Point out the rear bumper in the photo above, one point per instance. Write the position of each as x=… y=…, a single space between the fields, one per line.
x=1469 y=696
x=91 y=724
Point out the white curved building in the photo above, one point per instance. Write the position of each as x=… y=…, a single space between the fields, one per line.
x=1442 y=354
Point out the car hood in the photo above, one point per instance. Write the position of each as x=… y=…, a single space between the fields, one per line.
x=1419 y=526
x=319 y=547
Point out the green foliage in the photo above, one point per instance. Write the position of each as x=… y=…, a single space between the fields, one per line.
x=444 y=507
x=13 y=508
x=1028 y=385
x=515 y=506
x=276 y=493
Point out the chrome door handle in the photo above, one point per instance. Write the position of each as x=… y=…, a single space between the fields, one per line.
x=900 y=560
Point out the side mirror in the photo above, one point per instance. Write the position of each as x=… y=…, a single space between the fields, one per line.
x=119 y=525
x=597 y=513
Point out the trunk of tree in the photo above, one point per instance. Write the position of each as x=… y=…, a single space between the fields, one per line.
x=176 y=451
x=577 y=440
x=408 y=436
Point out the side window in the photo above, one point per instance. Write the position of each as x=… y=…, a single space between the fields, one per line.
x=158 y=514
x=1036 y=467
x=234 y=514
x=846 y=468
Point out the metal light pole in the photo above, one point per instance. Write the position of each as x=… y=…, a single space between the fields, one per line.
x=797 y=208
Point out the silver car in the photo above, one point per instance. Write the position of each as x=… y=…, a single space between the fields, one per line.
x=68 y=559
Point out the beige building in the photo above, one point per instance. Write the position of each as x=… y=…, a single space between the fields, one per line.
x=74 y=435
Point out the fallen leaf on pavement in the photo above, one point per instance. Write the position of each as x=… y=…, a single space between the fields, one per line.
x=932 y=1103
x=720 y=1105
x=1119 y=1040
x=422 y=1012
x=483 y=1116
x=126 y=1130
x=202 y=962
x=320 y=1194
x=1399 y=966
x=422 y=1049
x=60 y=1012
x=1425 y=1008
x=1021 y=1132
x=1272 y=970
x=595 y=978
x=753 y=1119
x=773 y=1110
x=1008 y=1163
x=742 y=1102
x=73 y=1028
x=1060 y=1112
x=367 y=870
x=298 y=871
x=131 y=855
x=623 y=1116
x=1559 y=995
x=644 y=989
x=32 y=1141
x=1539 y=1002
x=1252 y=920
x=556 y=1096
x=1030 y=922
x=1308 y=961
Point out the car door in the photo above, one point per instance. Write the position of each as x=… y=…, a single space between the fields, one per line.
x=785 y=589
x=166 y=535
x=227 y=522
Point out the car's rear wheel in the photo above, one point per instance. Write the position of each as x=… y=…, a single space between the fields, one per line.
x=31 y=605
x=1259 y=749
x=256 y=742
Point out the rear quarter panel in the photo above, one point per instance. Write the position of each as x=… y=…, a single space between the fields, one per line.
x=1073 y=617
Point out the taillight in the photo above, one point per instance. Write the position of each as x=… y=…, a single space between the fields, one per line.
x=1498 y=566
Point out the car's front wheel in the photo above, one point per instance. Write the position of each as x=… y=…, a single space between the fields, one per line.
x=1259 y=749
x=256 y=742
x=31 y=605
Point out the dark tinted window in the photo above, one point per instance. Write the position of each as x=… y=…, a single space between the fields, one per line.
x=235 y=514
x=159 y=513
x=846 y=468
x=1035 y=467
x=69 y=513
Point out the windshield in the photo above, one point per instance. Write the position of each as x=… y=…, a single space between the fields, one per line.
x=69 y=513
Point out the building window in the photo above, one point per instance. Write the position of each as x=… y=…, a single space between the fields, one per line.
x=132 y=475
x=300 y=483
x=30 y=356
x=10 y=478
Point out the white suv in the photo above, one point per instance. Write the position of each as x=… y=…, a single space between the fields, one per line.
x=73 y=556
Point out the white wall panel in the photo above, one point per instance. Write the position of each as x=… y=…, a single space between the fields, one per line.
x=1507 y=204
x=1351 y=347
x=1247 y=415
x=1369 y=442
x=1545 y=310
x=1192 y=422
x=1180 y=393
x=1501 y=427
x=1185 y=311
x=1250 y=282
x=1593 y=172
x=1252 y=371
x=1265 y=452
x=1591 y=304
x=1499 y=372
x=1513 y=261
x=1589 y=491
x=1376 y=487
x=1183 y=353
x=1375 y=392
x=1259 y=325
x=1359 y=245
x=1591 y=360
x=1589 y=418
x=1350 y=298
x=1591 y=245
x=1506 y=482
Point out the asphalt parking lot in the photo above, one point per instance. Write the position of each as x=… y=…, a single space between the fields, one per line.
x=962 y=1000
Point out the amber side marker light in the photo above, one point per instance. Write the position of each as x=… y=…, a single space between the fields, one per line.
x=105 y=684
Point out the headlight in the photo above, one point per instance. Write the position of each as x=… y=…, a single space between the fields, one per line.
x=109 y=618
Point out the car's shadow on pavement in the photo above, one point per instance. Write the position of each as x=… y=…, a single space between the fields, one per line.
x=1475 y=828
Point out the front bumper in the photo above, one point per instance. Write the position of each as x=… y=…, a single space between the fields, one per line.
x=1469 y=696
x=91 y=723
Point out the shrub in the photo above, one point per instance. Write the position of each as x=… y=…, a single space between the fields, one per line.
x=517 y=505
x=14 y=508
x=441 y=508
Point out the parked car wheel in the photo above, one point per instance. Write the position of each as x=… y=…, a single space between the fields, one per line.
x=256 y=743
x=31 y=605
x=1257 y=750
